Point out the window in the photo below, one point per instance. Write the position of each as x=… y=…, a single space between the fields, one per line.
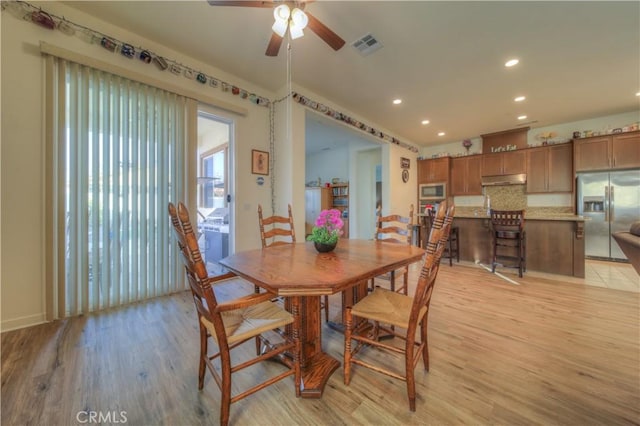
x=212 y=178
x=118 y=158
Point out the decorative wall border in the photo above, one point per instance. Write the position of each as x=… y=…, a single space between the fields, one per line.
x=339 y=116
x=36 y=15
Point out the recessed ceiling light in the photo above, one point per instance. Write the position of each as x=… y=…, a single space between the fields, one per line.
x=520 y=99
x=638 y=94
x=522 y=117
x=511 y=62
x=397 y=101
x=425 y=122
x=441 y=134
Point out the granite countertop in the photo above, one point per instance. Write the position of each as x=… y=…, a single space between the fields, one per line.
x=551 y=216
x=533 y=213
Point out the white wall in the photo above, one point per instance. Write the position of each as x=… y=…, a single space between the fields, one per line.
x=564 y=131
x=22 y=249
x=362 y=208
x=327 y=165
x=22 y=152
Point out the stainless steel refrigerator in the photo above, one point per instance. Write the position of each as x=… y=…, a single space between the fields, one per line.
x=611 y=201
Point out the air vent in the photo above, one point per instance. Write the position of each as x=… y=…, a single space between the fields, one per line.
x=367 y=44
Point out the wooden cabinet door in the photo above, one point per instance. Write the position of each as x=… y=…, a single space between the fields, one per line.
x=537 y=172
x=466 y=178
x=474 y=175
x=458 y=176
x=514 y=162
x=592 y=153
x=423 y=171
x=560 y=168
x=439 y=170
x=492 y=164
x=625 y=150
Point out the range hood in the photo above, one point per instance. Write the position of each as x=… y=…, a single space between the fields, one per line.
x=519 y=179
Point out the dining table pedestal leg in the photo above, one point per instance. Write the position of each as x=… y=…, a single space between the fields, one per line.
x=316 y=366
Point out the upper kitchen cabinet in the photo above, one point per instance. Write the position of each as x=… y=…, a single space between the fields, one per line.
x=550 y=169
x=435 y=170
x=504 y=163
x=619 y=151
x=466 y=176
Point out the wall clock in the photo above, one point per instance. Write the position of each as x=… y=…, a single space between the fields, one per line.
x=405 y=175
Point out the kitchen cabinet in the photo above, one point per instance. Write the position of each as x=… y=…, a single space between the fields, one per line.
x=466 y=176
x=550 y=169
x=316 y=199
x=435 y=170
x=504 y=163
x=553 y=246
x=619 y=151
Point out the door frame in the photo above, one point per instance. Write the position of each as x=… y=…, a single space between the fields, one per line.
x=207 y=112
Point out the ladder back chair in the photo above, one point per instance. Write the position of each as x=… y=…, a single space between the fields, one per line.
x=281 y=231
x=364 y=319
x=395 y=229
x=234 y=322
x=452 y=247
x=509 y=239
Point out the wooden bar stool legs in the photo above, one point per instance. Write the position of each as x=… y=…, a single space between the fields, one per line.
x=509 y=239
x=453 y=246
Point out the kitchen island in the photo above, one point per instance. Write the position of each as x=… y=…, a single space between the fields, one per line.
x=555 y=242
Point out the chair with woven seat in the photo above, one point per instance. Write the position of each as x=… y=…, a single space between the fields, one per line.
x=395 y=229
x=509 y=239
x=280 y=230
x=232 y=323
x=453 y=243
x=371 y=315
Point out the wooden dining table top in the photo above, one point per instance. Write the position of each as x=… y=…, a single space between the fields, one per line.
x=299 y=270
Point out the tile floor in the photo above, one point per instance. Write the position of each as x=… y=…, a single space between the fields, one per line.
x=598 y=273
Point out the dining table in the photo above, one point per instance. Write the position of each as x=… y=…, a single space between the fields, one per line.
x=298 y=270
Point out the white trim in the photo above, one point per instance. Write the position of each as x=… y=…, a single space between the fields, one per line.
x=22 y=322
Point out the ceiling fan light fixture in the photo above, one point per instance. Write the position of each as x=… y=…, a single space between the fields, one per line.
x=281 y=13
x=299 y=18
x=280 y=27
x=295 y=30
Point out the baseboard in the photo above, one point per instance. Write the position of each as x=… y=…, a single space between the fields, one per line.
x=22 y=322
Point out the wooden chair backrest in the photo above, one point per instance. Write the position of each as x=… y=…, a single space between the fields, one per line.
x=394 y=228
x=512 y=220
x=438 y=236
x=197 y=275
x=281 y=231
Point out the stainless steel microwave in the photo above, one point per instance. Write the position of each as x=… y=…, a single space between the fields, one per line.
x=432 y=191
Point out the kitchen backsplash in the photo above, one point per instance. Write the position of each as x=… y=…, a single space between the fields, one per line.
x=513 y=197
x=508 y=197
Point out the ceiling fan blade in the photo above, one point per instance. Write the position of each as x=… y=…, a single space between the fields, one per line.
x=274 y=45
x=266 y=3
x=331 y=38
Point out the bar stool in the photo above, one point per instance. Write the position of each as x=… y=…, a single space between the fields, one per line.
x=509 y=239
x=452 y=248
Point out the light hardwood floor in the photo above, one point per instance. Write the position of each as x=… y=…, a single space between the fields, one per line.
x=546 y=351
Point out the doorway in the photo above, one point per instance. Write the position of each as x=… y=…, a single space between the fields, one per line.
x=215 y=230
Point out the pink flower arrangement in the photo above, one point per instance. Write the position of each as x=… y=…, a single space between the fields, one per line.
x=328 y=227
x=467 y=143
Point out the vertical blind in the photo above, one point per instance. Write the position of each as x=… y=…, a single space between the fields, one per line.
x=119 y=151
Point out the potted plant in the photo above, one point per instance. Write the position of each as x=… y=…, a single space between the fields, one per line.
x=327 y=230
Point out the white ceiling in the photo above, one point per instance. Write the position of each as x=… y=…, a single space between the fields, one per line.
x=578 y=60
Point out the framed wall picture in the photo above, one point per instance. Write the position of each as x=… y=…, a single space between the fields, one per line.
x=259 y=162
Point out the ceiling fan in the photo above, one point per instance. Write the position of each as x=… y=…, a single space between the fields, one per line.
x=291 y=15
